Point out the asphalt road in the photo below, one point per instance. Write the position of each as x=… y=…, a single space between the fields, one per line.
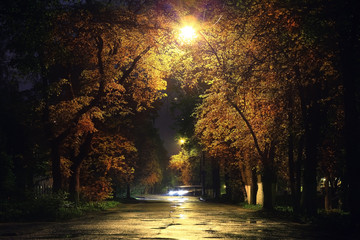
x=158 y=217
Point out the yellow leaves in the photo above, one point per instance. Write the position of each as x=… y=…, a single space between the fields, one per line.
x=97 y=189
x=179 y=161
x=65 y=167
x=152 y=179
x=89 y=82
x=114 y=152
x=96 y=113
x=116 y=88
x=85 y=125
x=57 y=87
x=152 y=172
x=181 y=164
x=62 y=114
x=117 y=163
x=111 y=156
x=147 y=90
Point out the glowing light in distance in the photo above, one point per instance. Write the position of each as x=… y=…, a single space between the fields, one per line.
x=187 y=34
x=181 y=141
x=178 y=192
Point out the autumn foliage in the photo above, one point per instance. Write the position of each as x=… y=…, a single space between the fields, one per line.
x=180 y=164
x=110 y=69
x=273 y=87
x=271 y=83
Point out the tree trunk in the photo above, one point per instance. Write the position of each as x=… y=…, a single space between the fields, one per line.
x=202 y=174
x=249 y=180
x=292 y=168
x=352 y=134
x=266 y=156
x=128 y=195
x=268 y=177
x=311 y=115
x=56 y=166
x=297 y=196
x=254 y=186
x=328 y=197
x=349 y=57
x=228 y=185
x=267 y=182
x=310 y=182
x=74 y=184
x=291 y=162
x=216 y=178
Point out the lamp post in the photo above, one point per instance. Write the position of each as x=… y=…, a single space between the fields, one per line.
x=182 y=141
x=188 y=33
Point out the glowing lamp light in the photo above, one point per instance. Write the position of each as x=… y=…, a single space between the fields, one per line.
x=187 y=34
x=181 y=141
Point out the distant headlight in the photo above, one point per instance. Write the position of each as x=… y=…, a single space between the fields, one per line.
x=172 y=193
x=178 y=192
x=182 y=192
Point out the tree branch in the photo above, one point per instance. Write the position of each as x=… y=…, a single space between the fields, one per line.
x=132 y=66
x=256 y=142
x=101 y=91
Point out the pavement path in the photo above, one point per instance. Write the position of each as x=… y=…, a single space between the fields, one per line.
x=160 y=217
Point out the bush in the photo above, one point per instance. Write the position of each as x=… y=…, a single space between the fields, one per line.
x=45 y=207
x=49 y=207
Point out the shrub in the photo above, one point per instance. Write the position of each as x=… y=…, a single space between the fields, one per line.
x=49 y=207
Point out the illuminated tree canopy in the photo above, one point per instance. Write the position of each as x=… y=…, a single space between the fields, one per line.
x=269 y=89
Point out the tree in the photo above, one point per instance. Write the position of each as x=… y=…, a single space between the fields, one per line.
x=347 y=26
x=181 y=165
x=26 y=25
x=226 y=138
x=235 y=73
x=150 y=173
x=314 y=86
x=112 y=160
x=114 y=79
x=265 y=72
x=18 y=163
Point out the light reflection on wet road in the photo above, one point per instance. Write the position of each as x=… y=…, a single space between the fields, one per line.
x=159 y=217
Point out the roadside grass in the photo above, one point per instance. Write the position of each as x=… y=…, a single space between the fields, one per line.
x=84 y=208
x=251 y=206
x=335 y=219
x=336 y=222
x=50 y=207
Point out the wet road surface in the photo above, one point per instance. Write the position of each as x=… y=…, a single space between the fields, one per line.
x=159 y=217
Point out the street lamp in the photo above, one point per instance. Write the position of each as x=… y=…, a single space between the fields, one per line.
x=188 y=30
x=182 y=141
x=187 y=34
